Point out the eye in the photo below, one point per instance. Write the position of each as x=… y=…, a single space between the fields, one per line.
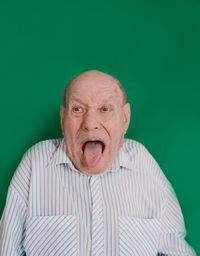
x=77 y=109
x=105 y=109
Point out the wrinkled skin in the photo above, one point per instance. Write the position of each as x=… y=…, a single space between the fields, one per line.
x=95 y=111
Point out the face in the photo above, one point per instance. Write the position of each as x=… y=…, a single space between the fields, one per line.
x=94 y=121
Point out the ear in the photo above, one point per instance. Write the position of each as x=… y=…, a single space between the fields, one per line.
x=127 y=115
x=62 y=114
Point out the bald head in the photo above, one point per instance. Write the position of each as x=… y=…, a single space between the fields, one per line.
x=93 y=76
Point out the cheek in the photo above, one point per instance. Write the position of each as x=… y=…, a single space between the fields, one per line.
x=116 y=135
x=114 y=126
x=70 y=126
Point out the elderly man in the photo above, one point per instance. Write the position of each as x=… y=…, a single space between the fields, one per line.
x=93 y=192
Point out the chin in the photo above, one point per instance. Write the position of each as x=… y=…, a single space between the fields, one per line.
x=93 y=170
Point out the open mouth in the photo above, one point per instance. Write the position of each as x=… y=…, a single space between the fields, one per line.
x=93 y=144
x=92 y=152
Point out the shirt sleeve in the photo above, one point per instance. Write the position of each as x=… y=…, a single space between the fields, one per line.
x=13 y=218
x=11 y=226
x=172 y=228
x=172 y=237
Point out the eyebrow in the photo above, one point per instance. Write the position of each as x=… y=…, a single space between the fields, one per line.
x=73 y=98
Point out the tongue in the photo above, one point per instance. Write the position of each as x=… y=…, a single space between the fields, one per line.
x=92 y=153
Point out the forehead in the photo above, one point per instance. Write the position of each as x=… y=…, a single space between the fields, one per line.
x=94 y=89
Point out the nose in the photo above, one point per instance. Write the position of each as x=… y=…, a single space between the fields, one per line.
x=90 y=122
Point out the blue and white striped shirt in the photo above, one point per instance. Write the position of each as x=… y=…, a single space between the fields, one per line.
x=54 y=209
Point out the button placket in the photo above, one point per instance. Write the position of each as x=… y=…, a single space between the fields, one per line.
x=97 y=216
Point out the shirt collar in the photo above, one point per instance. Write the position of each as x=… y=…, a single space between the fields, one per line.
x=60 y=156
x=121 y=160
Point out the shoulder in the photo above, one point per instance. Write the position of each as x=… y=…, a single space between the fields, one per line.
x=134 y=148
x=38 y=155
x=142 y=162
x=44 y=148
x=41 y=153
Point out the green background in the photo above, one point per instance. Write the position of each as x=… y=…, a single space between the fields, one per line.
x=152 y=47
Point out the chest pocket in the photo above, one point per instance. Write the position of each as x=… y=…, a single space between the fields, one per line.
x=51 y=235
x=138 y=236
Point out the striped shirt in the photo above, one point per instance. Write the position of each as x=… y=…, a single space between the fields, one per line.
x=54 y=209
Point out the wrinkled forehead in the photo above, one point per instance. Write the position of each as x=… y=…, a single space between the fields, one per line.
x=94 y=88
